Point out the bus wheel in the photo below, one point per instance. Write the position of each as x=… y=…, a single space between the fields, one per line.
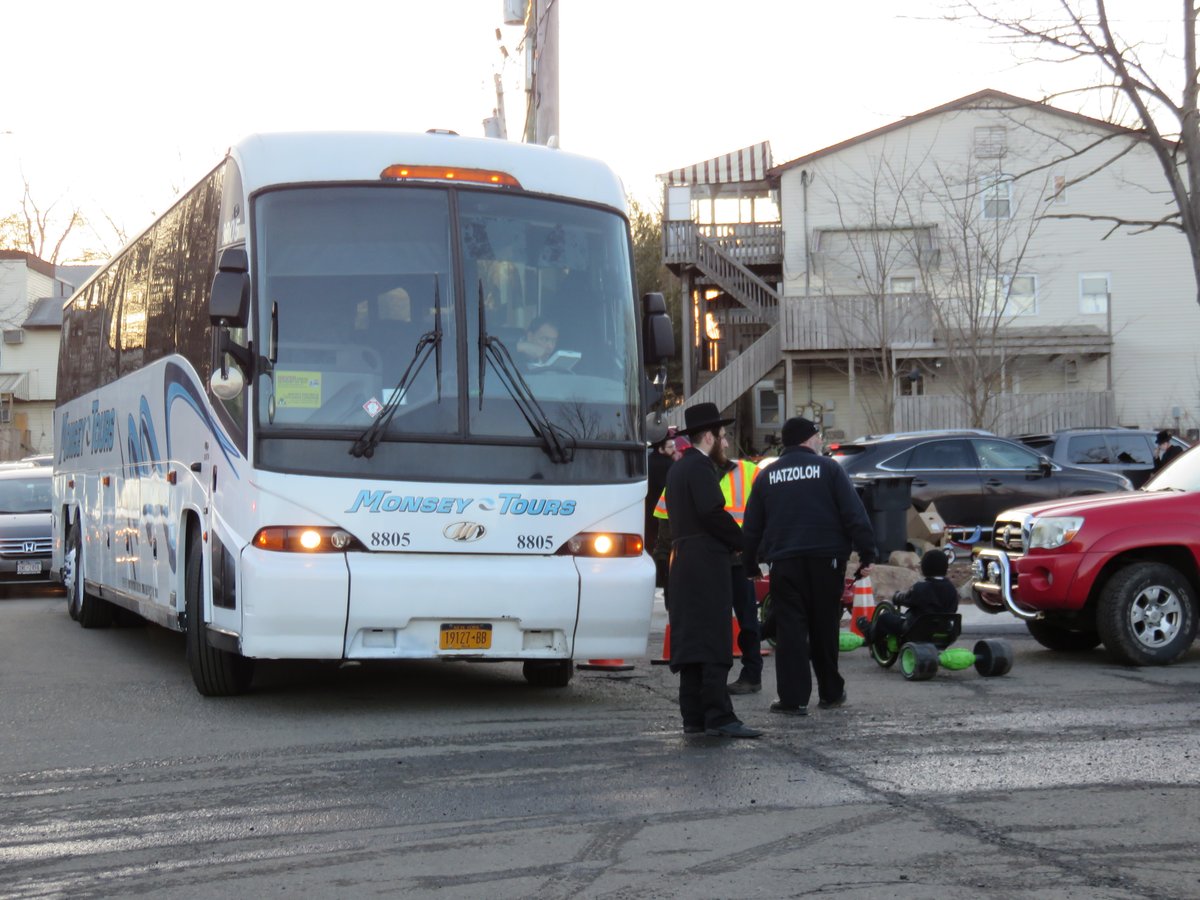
x=551 y=673
x=216 y=673
x=88 y=610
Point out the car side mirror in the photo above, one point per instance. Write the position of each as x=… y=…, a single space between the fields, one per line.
x=1045 y=466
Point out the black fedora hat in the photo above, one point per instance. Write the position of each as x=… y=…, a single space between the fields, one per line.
x=701 y=417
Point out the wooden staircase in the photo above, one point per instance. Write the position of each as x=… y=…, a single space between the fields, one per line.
x=761 y=301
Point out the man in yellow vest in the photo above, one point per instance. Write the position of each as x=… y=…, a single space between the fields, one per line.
x=736 y=481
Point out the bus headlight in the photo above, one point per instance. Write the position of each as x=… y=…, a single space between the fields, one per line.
x=602 y=543
x=305 y=539
x=1054 y=531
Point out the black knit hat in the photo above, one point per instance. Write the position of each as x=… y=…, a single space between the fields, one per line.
x=934 y=563
x=797 y=430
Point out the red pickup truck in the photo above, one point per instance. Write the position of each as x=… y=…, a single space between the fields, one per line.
x=1118 y=569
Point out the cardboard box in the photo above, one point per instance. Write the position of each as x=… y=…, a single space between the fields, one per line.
x=926 y=526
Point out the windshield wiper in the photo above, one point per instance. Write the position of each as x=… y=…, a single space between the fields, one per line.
x=429 y=344
x=492 y=350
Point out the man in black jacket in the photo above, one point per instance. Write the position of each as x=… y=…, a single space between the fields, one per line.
x=802 y=517
x=703 y=538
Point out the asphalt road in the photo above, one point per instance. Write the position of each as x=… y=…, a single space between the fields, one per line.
x=1071 y=777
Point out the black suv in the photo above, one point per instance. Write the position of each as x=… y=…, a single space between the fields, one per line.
x=1128 y=451
x=971 y=476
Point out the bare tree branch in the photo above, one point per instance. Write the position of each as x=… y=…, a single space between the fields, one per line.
x=1082 y=31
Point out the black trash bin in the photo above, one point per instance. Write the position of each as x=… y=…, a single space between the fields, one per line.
x=887 y=499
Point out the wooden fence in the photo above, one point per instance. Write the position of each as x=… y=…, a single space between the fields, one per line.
x=1009 y=413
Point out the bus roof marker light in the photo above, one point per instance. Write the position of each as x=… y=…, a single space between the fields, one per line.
x=400 y=172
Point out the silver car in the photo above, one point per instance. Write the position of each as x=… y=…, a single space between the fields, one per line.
x=24 y=524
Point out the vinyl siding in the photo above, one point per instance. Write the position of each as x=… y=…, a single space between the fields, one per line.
x=1155 y=316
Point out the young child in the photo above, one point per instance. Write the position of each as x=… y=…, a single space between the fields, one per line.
x=936 y=594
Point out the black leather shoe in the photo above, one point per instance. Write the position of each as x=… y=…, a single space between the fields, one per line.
x=784 y=710
x=734 y=730
x=693 y=729
x=744 y=687
x=864 y=625
x=832 y=704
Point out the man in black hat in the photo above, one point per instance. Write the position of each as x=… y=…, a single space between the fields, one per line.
x=1164 y=450
x=802 y=517
x=703 y=538
x=659 y=459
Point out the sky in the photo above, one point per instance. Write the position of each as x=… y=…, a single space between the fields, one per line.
x=117 y=107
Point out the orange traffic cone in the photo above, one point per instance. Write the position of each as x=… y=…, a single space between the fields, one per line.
x=605 y=665
x=666 y=650
x=864 y=603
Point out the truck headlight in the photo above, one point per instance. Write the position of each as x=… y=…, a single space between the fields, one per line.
x=1054 y=531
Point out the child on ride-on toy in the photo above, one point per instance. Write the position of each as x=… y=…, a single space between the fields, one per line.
x=936 y=594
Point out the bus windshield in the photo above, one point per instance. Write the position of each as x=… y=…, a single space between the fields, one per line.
x=361 y=284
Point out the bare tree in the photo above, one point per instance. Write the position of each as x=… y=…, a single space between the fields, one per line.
x=967 y=243
x=39 y=230
x=878 y=243
x=1156 y=102
x=977 y=283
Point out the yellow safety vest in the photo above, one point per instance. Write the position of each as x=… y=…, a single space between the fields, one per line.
x=735 y=485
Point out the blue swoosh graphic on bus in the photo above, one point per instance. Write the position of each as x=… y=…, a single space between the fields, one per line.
x=144 y=457
x=180 y=387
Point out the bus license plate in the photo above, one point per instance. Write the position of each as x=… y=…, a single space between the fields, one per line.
x=458 y=636
x=29 y=567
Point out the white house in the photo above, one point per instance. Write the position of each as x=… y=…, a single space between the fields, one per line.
x=31 y=300
x=960 y=267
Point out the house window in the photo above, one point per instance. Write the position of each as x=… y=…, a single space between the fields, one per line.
x=1059 y=194
x=902 y=285
x=990 y=141
x=995 y=192
x=1010 y=295
x=1093 y=292
x=768 y=405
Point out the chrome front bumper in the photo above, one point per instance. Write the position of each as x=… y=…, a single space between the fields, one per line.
x=992 y=572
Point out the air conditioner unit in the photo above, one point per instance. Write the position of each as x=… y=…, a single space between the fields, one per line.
x=14 y=336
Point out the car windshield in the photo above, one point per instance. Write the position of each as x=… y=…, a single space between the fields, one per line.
x=25 y=495
x=1181 y=475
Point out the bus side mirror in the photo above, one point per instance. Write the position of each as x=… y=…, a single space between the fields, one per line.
x=229 y=307
x=229 y=299
x=658 y=336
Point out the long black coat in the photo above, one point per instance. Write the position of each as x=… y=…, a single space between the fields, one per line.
x=704 y=536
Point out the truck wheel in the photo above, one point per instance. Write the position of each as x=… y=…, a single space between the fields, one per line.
x=993 y=658
x=918 y=662
x=87 y=609
x=216 y=673
x=551 y=674
x=1060 y=637
x=1146 y=615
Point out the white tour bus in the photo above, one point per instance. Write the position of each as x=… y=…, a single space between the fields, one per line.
x=366 y=396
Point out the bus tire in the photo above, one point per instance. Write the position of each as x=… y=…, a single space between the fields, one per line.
x=550 y=674
x=86 y=609
x=216 y=673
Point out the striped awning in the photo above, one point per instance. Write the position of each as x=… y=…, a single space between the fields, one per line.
x=748 y=164
x=14 y=383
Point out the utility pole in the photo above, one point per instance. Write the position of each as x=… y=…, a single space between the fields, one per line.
x=541 y=72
